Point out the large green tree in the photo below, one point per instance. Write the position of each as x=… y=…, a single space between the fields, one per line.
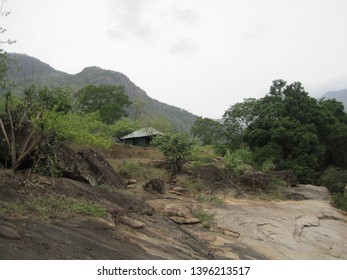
x=209 y=131
x=109 y=101
x=292 y=129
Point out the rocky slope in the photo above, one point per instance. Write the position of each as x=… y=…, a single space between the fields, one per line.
x=147 y=225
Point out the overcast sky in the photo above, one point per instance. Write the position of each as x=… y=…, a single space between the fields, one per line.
x=200 y=55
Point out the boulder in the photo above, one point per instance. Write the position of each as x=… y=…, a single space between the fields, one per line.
x=180 y=214
x=308 y=192
x=156 y=185
x=89 y=166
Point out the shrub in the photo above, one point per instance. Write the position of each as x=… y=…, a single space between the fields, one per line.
x=204 y=217
x=176 y=147
x=340 y=201
x=202 y=155
x=334 y=179
x=239 y=161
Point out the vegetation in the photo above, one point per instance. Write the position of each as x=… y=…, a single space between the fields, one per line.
x=142 y=107
x=204 y=217
x=284 y=130
x=108 y=101
x=176 y=148
x=50 y=206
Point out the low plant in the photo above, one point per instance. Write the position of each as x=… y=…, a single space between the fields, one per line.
x=239 y=161
x=201 y=197
x=202 y=155
x=137 y=170
x=339 y=201
x=88 y=209
x=204 y=217
x=51 y=206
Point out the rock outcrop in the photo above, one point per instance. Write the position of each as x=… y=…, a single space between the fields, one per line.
x=89 y=166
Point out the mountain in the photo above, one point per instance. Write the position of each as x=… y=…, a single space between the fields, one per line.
x=339 y=95
x=26 y=70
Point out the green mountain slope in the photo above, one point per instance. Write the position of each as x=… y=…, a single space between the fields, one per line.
x=339 y=95
x=28 y=70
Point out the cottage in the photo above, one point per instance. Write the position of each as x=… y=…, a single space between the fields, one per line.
x=141 y=137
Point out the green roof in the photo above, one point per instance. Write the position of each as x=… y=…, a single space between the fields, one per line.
x=143 y=132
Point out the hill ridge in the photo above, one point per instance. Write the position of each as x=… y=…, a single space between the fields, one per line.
x=34 y=71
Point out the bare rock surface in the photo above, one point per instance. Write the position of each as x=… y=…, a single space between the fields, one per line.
x=310 y=229
x=148 y=225
x=309 y=192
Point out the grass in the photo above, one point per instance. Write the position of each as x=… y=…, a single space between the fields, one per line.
x=53 y=207
x=201 y=197
x=133 y=169
x=204 y=217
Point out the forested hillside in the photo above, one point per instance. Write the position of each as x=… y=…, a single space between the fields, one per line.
x=26 y=70
x=339 y=95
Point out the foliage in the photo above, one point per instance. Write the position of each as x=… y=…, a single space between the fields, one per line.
x=335 y=179
x=204 y=217
x=176 y=148
x=239 y=161
x=242 y=114
x=268 y=166
x=109 y=101
x=160 y=123
x=87 y=130
x=23 y=123
x=210 y=132
x=294 y=130
x=340 y=201
x=123 y=127
x=201 y=155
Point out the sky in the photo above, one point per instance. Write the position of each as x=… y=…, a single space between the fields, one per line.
x=199 y=55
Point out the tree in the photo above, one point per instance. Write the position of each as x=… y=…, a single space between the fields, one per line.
x=109 y=101
x=4 y=59
x=242 y=114
x=23 y=123
x=292 y=129
x=176 y=147
x=209 y=131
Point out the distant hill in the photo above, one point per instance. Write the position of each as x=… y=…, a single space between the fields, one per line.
x=339 y=95
x=28 y=70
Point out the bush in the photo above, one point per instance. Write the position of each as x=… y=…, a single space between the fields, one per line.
x=239 y=161
x=176 y=147
x=204 y=217
x=202 y=155
x=268 y=166
x=334 y=179
x=340 y=201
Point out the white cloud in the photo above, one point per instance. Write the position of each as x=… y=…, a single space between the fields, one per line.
x=198 y=54
x=184 y=47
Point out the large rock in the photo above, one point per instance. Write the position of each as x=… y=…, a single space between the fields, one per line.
x=156 y=185
x=307 y=229
x=89 y=166
x=308 y=192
